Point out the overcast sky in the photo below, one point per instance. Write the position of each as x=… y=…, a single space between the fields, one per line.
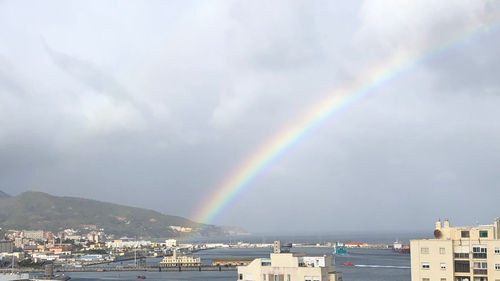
x=154 y=103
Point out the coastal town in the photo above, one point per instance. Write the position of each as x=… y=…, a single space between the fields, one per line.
x=453 y=253
x=73 y=249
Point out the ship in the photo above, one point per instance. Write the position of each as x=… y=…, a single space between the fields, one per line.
x=339 y=248
x=400 y=248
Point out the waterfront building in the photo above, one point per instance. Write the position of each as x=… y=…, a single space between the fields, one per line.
x=457 y=254
x=170 y=243
x=177 y=261
x=285 y=266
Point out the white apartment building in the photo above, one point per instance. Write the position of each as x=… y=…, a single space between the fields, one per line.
x=457 y=254
x=170 y=243
x=285 y=266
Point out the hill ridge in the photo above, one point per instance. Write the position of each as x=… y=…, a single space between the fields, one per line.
x=39 y=210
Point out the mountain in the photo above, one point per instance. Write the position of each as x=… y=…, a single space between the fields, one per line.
x=4 y=195
x=33 y=210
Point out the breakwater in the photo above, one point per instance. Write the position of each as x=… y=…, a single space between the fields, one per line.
x=133 y=268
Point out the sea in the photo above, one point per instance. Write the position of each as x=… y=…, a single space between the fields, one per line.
x=370 y=265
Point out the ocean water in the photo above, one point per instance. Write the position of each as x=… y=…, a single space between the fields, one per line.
x=371 y=265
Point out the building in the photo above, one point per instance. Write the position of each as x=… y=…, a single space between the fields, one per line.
x=178 y=261
x=457 y=254
x=286 y=266
x=6 y=247
x=34 y=234
x=95 y=237
x=171 y=243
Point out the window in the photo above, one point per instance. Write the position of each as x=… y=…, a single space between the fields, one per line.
x=240 y=276
x=424 y=250
x=276 y=278
x=425 y=265
x=316 y=278
x=480 y=278
x=442 y=251
x=462 y=266
x=483 y=233
x=307 y=278
x=497 y=250
x=426 y=279
x=288 y=277
x=465 y=234
x=497 y=266
x=443 y=265
x=443 y=279
x=264 y=277
x=480 y=264
x=479 y=252
x=480 y=267
x=461 y=255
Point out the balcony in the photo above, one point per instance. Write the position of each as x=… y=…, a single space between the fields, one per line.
x=479 y=255
x=461 y=255
x=480 y=271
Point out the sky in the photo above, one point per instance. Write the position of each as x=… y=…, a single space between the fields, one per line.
x=155 y=103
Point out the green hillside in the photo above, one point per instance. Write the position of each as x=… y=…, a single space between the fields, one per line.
x=38 y=210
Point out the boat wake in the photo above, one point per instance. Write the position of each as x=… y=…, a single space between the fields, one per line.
x=383 y=266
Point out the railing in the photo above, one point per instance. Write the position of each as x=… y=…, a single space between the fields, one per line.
x=461 y=255
x=479 y=255
x=480 y=271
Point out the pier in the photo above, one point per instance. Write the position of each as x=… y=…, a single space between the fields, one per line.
x=133 y=268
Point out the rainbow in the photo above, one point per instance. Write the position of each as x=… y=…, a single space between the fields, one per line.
x=334 y=103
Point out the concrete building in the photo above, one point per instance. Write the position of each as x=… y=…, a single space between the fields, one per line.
x=177 y=261
x=457 y=254
x=285 y=266
x=34 y=234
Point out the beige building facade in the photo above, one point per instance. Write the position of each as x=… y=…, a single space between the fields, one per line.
x=179 y=261
x=290 y=267
x=457 y=254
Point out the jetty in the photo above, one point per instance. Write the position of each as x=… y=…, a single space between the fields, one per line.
x=133 y=268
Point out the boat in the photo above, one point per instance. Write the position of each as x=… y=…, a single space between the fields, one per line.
x=339 y=248
x=141 y=277
x=348 y=264
x=400 y=248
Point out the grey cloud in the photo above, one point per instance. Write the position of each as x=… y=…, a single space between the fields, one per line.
x=193 y=91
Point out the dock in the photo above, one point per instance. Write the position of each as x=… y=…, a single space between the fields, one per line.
x=133 y=268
